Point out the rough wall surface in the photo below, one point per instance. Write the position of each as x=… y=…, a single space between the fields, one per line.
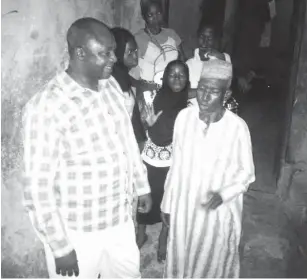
x=281 y=25
x=128 y=15
x=33 y=50
x=184 y=18
x=229 y=26
x=293 y=178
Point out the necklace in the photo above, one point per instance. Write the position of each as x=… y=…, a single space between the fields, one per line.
x=155 y=41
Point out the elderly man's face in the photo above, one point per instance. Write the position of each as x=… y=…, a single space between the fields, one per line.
x=210 y=95
x=100 y=57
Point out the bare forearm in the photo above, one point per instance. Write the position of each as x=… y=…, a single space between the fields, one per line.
x=182 y=56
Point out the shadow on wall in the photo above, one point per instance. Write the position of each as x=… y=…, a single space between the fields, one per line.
x=33 y=50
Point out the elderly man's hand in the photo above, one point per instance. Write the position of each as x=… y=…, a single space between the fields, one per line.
x=165 y=219
x=214 y=202
x=67 y=265
x=145 y=203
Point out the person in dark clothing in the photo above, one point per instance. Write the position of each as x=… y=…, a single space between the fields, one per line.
x=157 y=152
x=127 y=58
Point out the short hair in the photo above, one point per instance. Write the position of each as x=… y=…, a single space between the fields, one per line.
x=203 y=25
x=80 y=31
x=145 y=5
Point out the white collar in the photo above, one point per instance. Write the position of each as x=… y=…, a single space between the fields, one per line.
x=196 y=55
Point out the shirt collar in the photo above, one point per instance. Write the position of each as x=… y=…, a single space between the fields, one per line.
x=196 y=55
x=73 y=89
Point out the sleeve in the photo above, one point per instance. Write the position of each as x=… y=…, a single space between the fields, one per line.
x=227 y=57
x=41 y=155
x=244 y=173
x=175 y=36
x=173 y=176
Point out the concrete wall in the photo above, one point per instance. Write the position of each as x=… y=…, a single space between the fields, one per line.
x=33 y=49
x=128 y=15
x=184 y=17
x=281 y=25
x=229 y=25
x=292 y=182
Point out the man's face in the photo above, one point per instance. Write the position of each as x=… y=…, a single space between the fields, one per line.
x=154 y=18
x=210 y=95
x=131 y=54
x=207 y=39
x=177 y=78
x=100 y=57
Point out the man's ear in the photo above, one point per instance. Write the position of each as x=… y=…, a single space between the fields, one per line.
x=227 y=95
x=80 y=53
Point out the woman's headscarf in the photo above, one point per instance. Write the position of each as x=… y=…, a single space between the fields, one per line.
x=171 y=103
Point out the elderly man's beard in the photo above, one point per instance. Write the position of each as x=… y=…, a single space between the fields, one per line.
x=209 y=117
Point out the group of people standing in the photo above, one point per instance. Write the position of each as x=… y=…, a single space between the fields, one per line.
x=129 y=116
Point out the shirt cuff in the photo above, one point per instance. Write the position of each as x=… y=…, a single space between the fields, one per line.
x=165 y=205
x=60 y=248
x=231 y=192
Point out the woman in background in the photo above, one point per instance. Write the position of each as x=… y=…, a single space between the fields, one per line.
x=157 y=47
x=157 y=153
x=127 y=58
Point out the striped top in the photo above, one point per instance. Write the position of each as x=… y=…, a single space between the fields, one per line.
x=204 y=243
x=80 y=160
x=223 y=150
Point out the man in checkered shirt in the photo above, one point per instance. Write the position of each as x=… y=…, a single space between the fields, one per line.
x=82 y=164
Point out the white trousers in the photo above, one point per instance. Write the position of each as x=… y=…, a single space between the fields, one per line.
x=112 y=253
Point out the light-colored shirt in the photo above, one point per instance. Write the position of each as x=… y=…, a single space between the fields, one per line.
x=129 y=101
x=218 y=158
x=155 y=52
x=203 y=243
x=81 y=160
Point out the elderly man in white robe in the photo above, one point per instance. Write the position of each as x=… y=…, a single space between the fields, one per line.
x=212 y=168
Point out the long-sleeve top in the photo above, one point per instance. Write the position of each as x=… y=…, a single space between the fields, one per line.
x=81 y=160
x=204 y=243
x=223 y=150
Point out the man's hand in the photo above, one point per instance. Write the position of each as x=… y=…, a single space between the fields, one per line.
x=214 y=202
x=145 y=203
x=213 y=54
x=165 y=219
x=67 y=264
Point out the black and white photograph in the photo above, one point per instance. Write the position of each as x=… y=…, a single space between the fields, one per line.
x=153 y=139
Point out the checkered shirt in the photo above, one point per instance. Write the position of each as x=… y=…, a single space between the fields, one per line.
x=81 y=160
